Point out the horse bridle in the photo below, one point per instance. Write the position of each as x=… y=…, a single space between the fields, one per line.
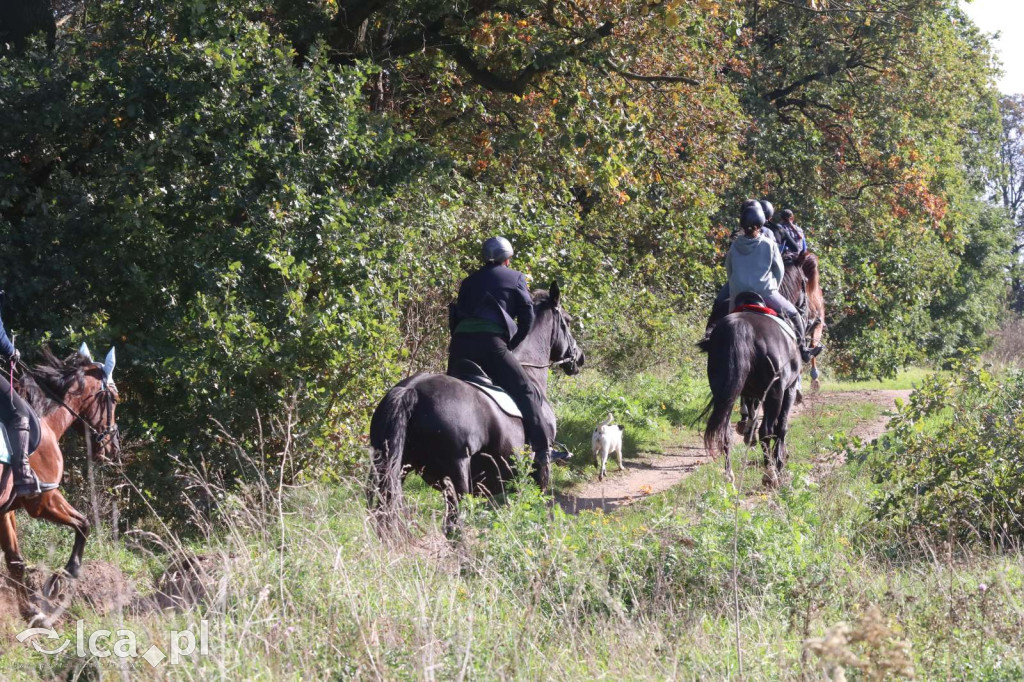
x=109 y=430
x=570 y=355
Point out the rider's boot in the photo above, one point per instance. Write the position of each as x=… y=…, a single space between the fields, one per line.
x=807 y=352
x=26 y=483
x=542 y=468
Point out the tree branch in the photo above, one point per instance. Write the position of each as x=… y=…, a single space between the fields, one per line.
x=629 y=75
x=521 y=81
x=829 y=71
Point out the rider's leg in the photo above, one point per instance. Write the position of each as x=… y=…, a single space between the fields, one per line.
x=782 y=306
x=491 y=352
x=15 y=414
x=719 y=309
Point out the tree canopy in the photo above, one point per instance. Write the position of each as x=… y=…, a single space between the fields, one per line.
x=267 y=207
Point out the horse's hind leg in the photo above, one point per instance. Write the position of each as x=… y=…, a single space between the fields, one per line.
x=729 y=476
x=15 y=562
x=782 y=429
x=456 y=484
x=769 y=435
x=51 y=506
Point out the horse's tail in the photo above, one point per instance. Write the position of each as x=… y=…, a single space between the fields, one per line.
x=387 y=443
x=728 y=368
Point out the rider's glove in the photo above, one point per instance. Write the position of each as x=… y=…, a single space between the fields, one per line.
x=15 y=356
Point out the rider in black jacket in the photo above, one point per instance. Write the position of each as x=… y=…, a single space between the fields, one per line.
x=493 y=314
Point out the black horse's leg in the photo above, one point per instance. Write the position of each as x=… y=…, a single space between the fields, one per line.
x=769 y=436
x=782 y=428
x=456 y=484
x=741 y=426
x=751 y=432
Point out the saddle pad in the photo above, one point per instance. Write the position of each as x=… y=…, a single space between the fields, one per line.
x=785 y=326
x=754 y=308
x=501 y=399
x=5 y=446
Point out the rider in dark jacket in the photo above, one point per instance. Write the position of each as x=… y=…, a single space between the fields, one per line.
x=792 y=239
x=772 y=229
x=14 y=412
x=492 y=316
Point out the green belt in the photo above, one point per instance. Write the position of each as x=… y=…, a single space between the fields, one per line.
x=478 y=324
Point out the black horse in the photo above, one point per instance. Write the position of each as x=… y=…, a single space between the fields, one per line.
x=752 y=358
x=455 y=437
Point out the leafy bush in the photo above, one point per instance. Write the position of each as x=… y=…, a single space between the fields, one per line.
x=950 y=465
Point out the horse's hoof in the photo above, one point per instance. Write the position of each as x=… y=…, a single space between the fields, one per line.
x=39 y=620
x=741 y=427
x=770 y=480
x=54 y=585
x=815 y=385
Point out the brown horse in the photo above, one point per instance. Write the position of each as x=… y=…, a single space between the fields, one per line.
x=76 y=392
x=815 y=311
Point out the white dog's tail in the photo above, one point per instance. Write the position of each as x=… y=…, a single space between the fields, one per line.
x=609 y=420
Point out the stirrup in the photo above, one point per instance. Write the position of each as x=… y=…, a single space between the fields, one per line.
x=558 y=455
x=32 y=488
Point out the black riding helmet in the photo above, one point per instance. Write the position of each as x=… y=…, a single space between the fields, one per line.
x=768 y=209
x=751 y=215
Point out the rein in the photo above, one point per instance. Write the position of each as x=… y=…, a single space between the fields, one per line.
x=100 y=436
x=556 y=363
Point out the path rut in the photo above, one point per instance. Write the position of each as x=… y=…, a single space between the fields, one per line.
x=653 y=473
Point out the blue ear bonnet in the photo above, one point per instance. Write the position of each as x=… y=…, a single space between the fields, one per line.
x=108 y=363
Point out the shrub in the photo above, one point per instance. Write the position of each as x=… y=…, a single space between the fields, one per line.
x=951 y=465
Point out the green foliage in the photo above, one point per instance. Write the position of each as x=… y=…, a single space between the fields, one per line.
x=950 y=465
x=194 y=198
x=268 y=207
x=649 y=406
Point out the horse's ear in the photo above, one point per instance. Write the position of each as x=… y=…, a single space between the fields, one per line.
x=108 y=364
x=84 y=351
x=555 y=293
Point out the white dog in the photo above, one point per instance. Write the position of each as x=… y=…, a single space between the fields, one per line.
x=606 y=440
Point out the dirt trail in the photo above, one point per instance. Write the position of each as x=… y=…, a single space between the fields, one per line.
x=654 y=473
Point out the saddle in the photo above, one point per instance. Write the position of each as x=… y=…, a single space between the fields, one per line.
x=749 y=302
x=34 y=434
x=472 y=374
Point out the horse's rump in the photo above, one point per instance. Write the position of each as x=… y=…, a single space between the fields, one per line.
x=444 y=419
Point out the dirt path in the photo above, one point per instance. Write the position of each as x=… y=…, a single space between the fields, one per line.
x=654 y=473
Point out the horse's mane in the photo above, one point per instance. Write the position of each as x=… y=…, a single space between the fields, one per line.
x=541 y=298
x=794 y=281
x=810 y=268
x=53 y=377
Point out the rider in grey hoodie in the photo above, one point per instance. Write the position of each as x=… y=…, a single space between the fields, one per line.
x=754 y=264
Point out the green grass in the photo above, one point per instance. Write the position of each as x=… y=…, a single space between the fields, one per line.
x=906 y=379
x=529 y=592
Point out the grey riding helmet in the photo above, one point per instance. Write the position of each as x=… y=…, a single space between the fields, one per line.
x=752 y=215
x=497 y=250
x=768 y=209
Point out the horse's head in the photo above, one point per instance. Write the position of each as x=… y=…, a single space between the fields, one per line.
x=564 y=348
x=99 y=409
x=85 y=389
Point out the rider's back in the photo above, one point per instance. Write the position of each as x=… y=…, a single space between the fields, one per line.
x=496 y=294
x=754 y=264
